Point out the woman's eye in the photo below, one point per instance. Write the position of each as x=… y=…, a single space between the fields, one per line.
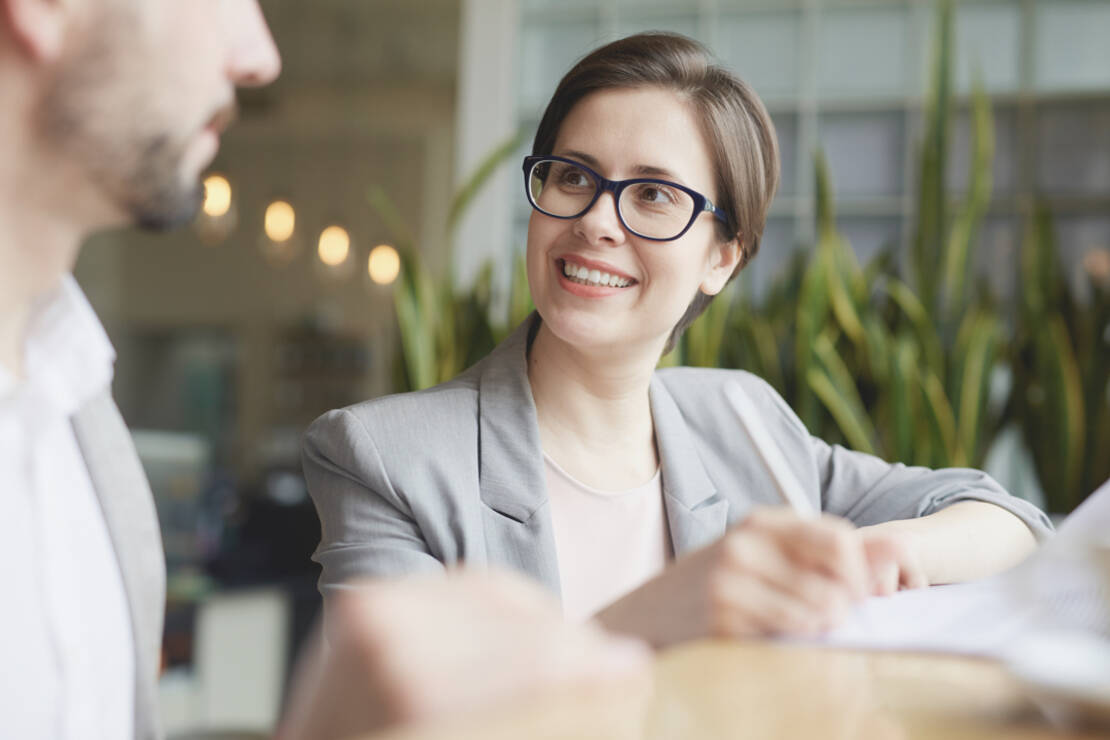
x=656 y=194
x=573 y=177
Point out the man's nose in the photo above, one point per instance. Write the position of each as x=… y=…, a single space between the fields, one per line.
x=253 y=58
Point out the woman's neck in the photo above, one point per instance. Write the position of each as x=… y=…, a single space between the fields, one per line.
x=594 y=411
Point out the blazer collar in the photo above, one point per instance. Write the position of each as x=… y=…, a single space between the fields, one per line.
x=129 y=512
x=695 y=513
x=511 y=473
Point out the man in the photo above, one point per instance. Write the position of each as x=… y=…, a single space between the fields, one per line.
x=110 y=111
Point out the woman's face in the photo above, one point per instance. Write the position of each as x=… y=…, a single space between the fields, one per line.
x=621 y=134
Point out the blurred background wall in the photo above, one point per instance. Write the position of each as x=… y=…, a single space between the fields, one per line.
x=230 y=342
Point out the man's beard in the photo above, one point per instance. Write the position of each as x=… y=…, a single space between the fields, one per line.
x=98 y=114
x=154 y=193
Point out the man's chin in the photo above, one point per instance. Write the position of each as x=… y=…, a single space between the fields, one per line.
x=168 y=212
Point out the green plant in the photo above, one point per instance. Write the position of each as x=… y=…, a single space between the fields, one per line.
x=1061 y=361
x=899 y=371
x=442 y=328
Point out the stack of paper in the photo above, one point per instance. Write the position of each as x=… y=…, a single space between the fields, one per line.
x=1060 y=588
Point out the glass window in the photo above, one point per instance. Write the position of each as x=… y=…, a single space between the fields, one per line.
x=999 y=244
x=684 y=23
x=1073 y=149
x=542 y=5
x=763 y=49
x=786 y=127
x=871 y=235
x=1071 y=49
x=861 y=53
x=988 y=44
x=864 y=152
x=775 y=250
x=1079 y=237
x=547 y=51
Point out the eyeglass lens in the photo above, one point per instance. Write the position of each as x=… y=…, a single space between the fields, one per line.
x=649 y=209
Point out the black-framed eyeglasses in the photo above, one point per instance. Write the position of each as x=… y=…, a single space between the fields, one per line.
x=650 y=208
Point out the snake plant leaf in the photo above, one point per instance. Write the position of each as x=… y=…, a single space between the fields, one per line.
x=520 y=301
x=941 y=422
x=766 y=348
x=469 y=190
x=834 y=385
x=704 y=338
x=979 y=362
x=1065 y=398
x=923 y=327
x=418 y=343
x=931 y=217
x=841 y=275
x=903 y=399
x=812 y=311
x=850 y=422
x=1040 y=269
x=957 y=254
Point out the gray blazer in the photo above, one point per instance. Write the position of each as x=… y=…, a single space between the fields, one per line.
x=124 y=494
x=454 y=473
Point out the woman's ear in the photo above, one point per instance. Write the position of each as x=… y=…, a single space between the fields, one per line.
x=38 y=27
x=723 y=260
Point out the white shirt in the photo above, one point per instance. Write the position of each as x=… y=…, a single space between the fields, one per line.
x=607 y=543
x=67 y=655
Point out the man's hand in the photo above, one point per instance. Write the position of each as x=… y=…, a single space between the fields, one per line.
x=424 y=648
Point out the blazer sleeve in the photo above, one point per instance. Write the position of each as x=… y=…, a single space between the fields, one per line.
x=868 y=490
x=366 y=528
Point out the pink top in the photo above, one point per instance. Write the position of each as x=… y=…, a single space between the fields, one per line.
x=607 y=543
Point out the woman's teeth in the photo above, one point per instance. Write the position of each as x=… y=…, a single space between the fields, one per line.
x=586 y=276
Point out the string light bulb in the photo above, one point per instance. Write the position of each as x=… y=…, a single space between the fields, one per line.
x=384 y=264
x=334 y=246
x=217 y=196
x=280 y=221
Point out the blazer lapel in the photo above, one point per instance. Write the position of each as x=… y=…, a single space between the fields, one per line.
x=695 y=513
x=128 y=507
x=518 y=528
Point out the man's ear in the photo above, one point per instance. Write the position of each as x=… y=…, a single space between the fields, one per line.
x=37 y=26
x=723 y=260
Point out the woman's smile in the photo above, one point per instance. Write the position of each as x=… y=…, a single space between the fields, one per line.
x=590 y=278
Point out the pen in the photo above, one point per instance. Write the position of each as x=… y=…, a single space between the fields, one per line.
x=791 y=491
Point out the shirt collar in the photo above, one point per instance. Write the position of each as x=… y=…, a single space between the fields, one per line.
x=69 y=357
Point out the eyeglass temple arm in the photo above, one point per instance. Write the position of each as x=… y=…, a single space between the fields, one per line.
x=715 y=211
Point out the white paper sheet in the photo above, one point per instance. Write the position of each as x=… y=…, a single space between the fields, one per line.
x=1057 y=588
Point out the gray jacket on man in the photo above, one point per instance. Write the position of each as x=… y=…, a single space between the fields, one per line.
x=125 y=498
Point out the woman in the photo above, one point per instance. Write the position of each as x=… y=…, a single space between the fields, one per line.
x=635 y=494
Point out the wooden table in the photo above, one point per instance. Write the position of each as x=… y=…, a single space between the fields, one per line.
x=774 y=690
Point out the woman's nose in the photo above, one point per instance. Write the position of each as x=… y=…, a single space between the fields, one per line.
x=601 y=224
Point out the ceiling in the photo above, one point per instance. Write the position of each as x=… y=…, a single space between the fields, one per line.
x=366 y=43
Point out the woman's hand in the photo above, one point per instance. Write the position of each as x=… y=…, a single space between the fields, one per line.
x=892 y=560
x=775 y=573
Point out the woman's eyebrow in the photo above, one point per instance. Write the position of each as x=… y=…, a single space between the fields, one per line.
x=651 y=171
x=644 y=170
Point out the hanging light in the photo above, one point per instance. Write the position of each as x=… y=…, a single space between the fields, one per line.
x=334 y=246
x=384 y=264
x=217 y=196
x=280 y=221
x=217 y=217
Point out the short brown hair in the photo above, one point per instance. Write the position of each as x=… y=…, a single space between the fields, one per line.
x=734 y=123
